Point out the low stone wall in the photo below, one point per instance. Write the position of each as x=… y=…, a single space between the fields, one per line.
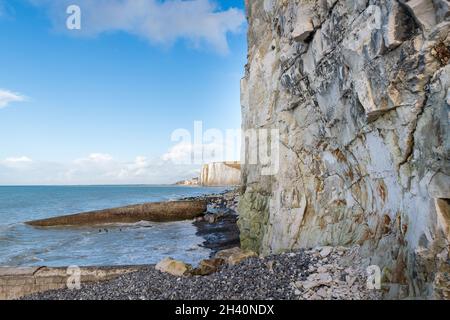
x=155 y=211
x=19 y=282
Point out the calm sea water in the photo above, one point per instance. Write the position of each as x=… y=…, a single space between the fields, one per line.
x=139 y=243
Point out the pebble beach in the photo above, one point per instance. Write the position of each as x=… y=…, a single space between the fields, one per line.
x=300 y=275
x=315 y=274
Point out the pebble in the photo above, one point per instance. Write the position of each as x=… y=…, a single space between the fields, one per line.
x=321 y=269
x=326 y=251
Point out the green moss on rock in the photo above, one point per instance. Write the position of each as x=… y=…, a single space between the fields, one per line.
x=253 y=218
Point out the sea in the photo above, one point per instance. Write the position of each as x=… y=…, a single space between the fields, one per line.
x=118 y=244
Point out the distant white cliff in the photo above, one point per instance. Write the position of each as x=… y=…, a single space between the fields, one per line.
x=189 y=182
x=221 y=174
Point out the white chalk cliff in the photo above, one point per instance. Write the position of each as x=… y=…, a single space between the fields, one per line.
x=221 y=174
x=359 y=91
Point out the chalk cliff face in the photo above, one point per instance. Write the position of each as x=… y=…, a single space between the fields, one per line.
x=221 y=174
x=359 y=91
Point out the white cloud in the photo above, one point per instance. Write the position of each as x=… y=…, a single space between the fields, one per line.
x=22 y=159
x=186 y=153
x=22 y=162
x=6 y=97
x=95 y=158
x=103 y=168
x=160 y=22
x=96 y=168
x=179 y=153
x=218 y=150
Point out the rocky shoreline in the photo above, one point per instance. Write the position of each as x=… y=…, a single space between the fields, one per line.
x=231 y=273
x=219 y=225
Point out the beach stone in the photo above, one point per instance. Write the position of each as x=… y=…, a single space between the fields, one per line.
x=208 y=266
x=320 y=278
x=350 y=280
x=235 y=255
x=326 y=251
x=309 y=284
x=210 y=218
x=237 y=258
x=173 y=267
x=322 y=293
x=225 y=254
x=322 y=269
x=270 y=265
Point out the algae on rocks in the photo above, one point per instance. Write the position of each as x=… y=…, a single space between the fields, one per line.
x=253 y=216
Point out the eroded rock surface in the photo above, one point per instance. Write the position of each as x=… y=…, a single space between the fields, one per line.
x=359 y=91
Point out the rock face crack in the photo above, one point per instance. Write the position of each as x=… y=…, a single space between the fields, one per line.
x=411 y=138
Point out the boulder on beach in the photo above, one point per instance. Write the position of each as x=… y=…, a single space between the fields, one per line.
x=173 y=267
x=208 y=266
x=235 y=255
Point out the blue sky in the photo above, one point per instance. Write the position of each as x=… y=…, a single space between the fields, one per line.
x=99 y=105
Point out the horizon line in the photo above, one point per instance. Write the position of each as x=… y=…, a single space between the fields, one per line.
x=89 y=185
